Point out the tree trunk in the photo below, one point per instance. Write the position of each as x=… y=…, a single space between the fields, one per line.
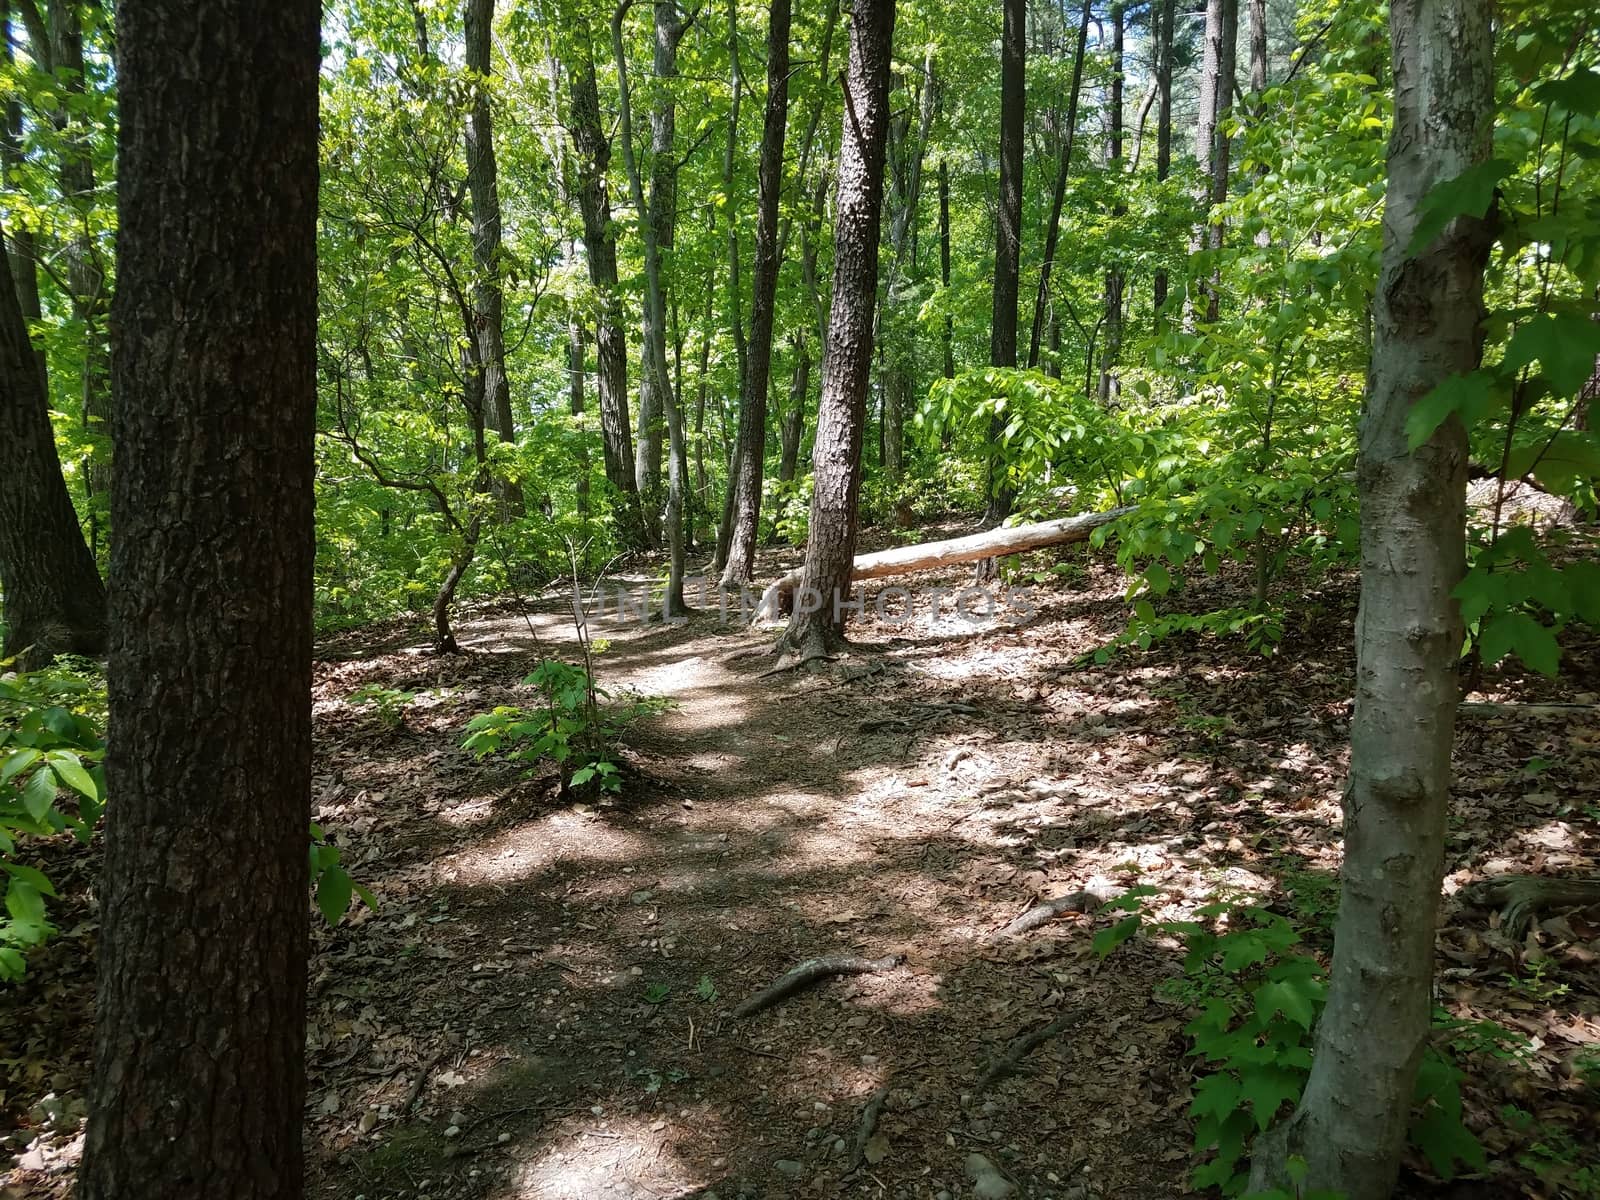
x=1163 y=14
x=1058 y=197
x=1212 y=143
x=1112 y=346
x=575 y=396
x=841 y=418
x=600 y=248
x=947 y=335
x=764 y=287
x=199 y=1079
x=1007 y=228
x=655 y=229
x=741 y=352
x=54 y=600
x=1351 y=1124
x=934 y=556
x=483 y=185
x=794 y=417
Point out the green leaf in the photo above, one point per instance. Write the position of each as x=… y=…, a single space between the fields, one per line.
x=1293 y=999
x=24 y=903
x=1564 y=345
x=1217 y=1095
x=1446 y=1141
x=1107 y=940
x=1470 y=396
x=1267 y=1089
x=334 y=890
x=1469 y=194
x=1519 y=632
x=70 y=770
x=39 y=793
x=18 y=762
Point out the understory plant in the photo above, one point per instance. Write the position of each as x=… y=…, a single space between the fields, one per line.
x=1259 y=993
x=577 y=726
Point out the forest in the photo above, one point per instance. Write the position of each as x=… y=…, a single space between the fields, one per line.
x=864 y=598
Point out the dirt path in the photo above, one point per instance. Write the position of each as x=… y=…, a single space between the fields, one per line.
x=542 y=1004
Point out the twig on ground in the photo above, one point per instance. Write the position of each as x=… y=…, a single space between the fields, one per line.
x=864 y=1132
x=418 y=1085
x=812 y=971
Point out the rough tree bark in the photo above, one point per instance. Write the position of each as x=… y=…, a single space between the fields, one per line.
x=483 y=185
x=764 y=288
x=947 y=331
x=1211 y=142
x=815 y=630
x=741 y=352
x=199 y=1079
x=1008 y=224
x=655 y=227
x=600 y=249
x=1351 y=1124
x=1058 y=196
x=54 y=600
x=1162 y=15
x=1112 y=346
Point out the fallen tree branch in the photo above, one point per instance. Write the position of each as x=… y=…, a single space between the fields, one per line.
x=1019 y=1050
x=928 y=556
x=1535 y=712
x=1042 y=914
x=864 y=1132
x=813 y=970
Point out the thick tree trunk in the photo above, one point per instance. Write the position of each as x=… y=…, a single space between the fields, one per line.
x=836 y=454
x=483 y=185
x=1163 y=13
x=1007 y=227
x=600 y=248
x=1058 y=196
x=1351 y=1124
x=19 y=243
x=934 y=556
x=764 y=287
x=741 y=353
x=54 y=600
x=199 y=1080
x=655 y=229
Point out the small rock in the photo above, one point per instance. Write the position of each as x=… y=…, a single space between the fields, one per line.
x=458 y=1117
x=788 y=1166
x=453 y=1131
x=503 y=1138
x=838 y=1146
x=987 y=1181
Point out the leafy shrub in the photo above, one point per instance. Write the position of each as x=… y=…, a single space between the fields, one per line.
x=1259 y=996
x=388 y=703
x=577 y=726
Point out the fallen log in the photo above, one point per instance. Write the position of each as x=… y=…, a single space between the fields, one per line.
x=930 y=556
x=812 y=971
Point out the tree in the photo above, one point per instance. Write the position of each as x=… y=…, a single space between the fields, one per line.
x=1211 y=140
x=593 y=149
x=1008 y=223
x=817 y=628
x=1351 y=1124
x=758 y=361
x=54 y=600
x=1162 y=15
x=483 y=184
x=203 y=900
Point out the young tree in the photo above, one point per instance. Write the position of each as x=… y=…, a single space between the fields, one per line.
x=1351 y=1124
x=1211 y=141
x=764 y=288
x=1162 y=16
x=817 y=625
x=1008 y=225
x=199 y=1078
x=54 y=600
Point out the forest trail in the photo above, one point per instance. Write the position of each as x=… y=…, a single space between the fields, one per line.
x=908 y=800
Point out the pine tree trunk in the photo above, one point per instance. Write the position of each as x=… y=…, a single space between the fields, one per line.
x=764 y=287
x=836 y=455
x=199 y=1080
x=600 y=248
x=54 y=600
x=483 y=185
x=1351 y=1124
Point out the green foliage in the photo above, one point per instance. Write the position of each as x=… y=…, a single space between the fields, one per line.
x=577 y=727
x=332 y=884
x=1259 y=995
x=388 y=703
x=51 y=782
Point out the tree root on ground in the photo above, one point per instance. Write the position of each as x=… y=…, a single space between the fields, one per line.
x=864 y=1131
x=1042 y=914
x=1008 y=1062
x=813 y=970
x=1520 y=897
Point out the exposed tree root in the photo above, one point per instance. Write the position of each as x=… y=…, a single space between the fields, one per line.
x=812 y=971
x=1042 y=914
x=864 y=1131
x=1520 y=898
x=1008 y=1062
